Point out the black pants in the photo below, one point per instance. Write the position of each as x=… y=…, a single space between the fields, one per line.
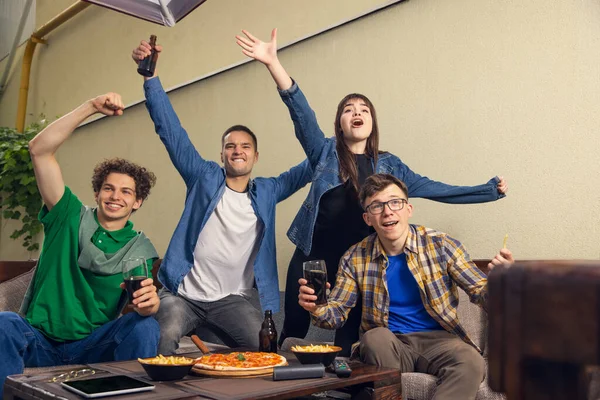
x=297 y=319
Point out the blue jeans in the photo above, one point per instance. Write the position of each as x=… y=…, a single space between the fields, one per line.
x=125 y=338
x=233 y=319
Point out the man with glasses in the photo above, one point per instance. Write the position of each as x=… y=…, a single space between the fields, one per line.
x=407 y=277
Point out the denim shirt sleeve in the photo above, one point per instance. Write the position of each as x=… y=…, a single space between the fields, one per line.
x=182 y=152
x=306 y=127
x=422 y=186
x=292 y=180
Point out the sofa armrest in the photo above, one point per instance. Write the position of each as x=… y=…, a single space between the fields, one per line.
x=482 y=264
x=12 y=269
x=13 y=291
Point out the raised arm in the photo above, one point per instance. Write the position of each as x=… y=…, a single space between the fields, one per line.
x=266 y=53
x=422 y=186
x=292 y=180
x=44 y=145
x=182 y=152
x=307 y=129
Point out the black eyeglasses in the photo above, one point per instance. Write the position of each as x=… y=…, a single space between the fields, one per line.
x=377 y=207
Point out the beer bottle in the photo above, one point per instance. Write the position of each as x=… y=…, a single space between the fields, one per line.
x=267 y=337
x=147 y=65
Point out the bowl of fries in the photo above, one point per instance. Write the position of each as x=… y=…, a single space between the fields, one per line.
x=315 y=354
x=161 y=368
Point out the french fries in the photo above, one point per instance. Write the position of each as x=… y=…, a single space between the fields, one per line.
x=505 y=240
x=171 y=360
x=314 y=348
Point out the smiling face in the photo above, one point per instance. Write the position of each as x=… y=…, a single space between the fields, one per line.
x=391 y=226
x=116 y=200
x=356 y=122
x=238 y=154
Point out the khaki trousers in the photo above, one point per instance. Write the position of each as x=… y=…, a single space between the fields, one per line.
x=459 y=367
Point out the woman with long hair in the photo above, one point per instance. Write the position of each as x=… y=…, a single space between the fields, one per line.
x=330 y=219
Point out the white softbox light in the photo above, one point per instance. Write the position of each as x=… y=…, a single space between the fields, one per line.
x=163 y=12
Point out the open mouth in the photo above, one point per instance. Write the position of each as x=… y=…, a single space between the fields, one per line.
x=113 y=206
x=391 y=223
x=357 y=123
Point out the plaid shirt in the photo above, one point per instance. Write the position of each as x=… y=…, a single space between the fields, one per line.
x=438 y=262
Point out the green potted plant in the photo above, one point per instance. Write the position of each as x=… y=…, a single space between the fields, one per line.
x=19 y=195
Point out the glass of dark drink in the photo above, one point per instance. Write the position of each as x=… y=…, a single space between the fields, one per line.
x=315 y=273
x=135 y=271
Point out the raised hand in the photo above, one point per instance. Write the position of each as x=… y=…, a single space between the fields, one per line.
x=504 y=257
x=254 y=48
x=502 y=185
x=266 y=53
x=143 y=50
x=108 y=104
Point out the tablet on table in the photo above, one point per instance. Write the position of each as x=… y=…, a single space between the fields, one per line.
x=107 y=386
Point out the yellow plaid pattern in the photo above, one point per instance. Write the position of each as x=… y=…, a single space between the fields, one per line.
x=439 y=264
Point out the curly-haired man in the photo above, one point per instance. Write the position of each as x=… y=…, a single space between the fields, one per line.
x=70 y=314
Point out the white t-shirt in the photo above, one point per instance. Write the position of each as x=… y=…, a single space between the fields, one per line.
x=225 y=251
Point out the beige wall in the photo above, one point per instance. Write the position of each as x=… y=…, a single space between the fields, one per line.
x=464 y=90
x=90 y=55
x=95 y=46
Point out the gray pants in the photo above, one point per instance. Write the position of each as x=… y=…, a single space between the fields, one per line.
x=459 y=367
x=233 y=319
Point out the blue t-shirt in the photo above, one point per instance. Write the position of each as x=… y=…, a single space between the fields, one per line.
x=407 y=313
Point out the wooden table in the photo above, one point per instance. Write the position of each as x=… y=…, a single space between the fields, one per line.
x=366 y=382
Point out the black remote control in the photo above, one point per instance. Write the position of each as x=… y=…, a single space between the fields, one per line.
x=341 y=368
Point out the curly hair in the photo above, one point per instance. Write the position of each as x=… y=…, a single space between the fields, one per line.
x=144 y=179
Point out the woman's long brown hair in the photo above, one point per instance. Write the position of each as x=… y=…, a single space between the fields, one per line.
x=348 y=168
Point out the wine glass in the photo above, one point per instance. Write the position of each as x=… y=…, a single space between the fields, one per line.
x=135 y=271
x=315 y=273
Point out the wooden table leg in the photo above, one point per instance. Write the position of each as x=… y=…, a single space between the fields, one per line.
x=389 y=389
x=9 y=394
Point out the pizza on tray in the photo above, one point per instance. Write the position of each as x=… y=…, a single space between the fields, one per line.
x=240 y=361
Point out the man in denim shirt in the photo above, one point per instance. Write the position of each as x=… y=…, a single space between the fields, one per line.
x=224 y=243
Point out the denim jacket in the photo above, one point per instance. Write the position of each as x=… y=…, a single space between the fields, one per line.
x=205 y=182
x=322 y=155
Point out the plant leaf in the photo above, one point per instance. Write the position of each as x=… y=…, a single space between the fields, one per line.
x=20 y=199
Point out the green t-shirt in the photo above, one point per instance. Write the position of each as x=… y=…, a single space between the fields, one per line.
x=69 y=302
